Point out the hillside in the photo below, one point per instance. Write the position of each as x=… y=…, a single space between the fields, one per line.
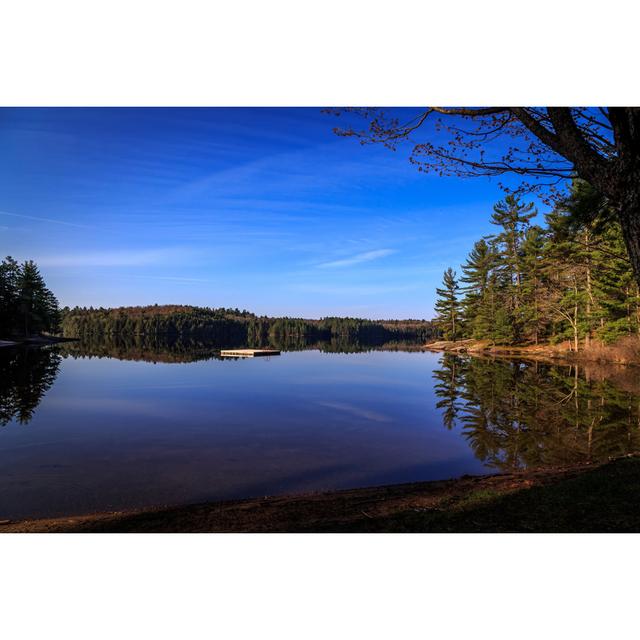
x=230 y=325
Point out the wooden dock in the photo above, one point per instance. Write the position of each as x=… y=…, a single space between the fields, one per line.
x=249 y=353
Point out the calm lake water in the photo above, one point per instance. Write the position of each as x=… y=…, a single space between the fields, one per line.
x=83 y=433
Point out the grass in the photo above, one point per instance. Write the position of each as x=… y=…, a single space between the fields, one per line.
x=604 y=499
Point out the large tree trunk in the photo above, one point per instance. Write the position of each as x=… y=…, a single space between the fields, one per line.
x=628 y=209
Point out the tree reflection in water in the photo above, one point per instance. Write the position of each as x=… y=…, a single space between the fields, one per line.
x=528 y=414
x=514 y=414
x=152 y=348
x=26 y=374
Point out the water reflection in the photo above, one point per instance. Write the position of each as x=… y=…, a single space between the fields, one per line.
x=141 y=348
x=191 y=349
x=26 y=374
x=519 y=414
x=512 y=414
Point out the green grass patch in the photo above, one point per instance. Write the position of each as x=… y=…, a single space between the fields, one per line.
x=604 y=499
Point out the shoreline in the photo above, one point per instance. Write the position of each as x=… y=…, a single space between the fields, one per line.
x=551 y=353
x=35 y=341
x=470 y=503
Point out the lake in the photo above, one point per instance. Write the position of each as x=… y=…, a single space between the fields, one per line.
x=110 y=427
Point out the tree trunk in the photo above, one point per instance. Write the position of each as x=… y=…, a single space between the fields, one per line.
x=590 y=300
x=628 y=210
x=575 y=316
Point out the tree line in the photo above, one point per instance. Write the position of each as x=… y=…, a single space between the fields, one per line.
x=27 y=306
x=160 y=320
x=265 y=329
x=567 y=279
x=232 y=325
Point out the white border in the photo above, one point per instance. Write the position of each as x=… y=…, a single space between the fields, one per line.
x=318 y=587
x=336 y=52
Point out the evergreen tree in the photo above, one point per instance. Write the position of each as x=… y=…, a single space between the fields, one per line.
x=569 y=280
x=479 y=289
x=26 y=304
x=448 y=306
x=9 y=283
x=38 y=306
x=616 y=290
x=502 y=331
x=513 y=216
x=532 y=320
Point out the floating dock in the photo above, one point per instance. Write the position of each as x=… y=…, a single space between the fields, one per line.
x=249 y=353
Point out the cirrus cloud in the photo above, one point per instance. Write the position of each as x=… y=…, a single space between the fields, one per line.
x=359 y=258
x=122 y=258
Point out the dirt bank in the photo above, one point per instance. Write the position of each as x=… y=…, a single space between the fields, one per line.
x=588 y=498
x=625 y=352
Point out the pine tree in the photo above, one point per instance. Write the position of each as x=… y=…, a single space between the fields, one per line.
x=513 y=216
x=502 y=331
x=448 y=306
x=477 y=303
x=9 y=283
x=532 y=320
x=616 y=290
x=569 y=280
x=38 y=307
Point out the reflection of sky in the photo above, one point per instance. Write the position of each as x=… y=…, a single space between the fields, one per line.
x=264 y=209
x=112 y=434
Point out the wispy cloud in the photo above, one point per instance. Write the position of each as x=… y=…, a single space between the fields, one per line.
x=127 y=258
x=173 y=278
x=294 y=172
x=354 y=290
x=39 y=219
x=367 y=256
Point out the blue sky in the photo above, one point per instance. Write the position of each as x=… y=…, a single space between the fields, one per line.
x=263 y=209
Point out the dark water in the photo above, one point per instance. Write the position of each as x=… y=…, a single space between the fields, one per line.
x=112 y=426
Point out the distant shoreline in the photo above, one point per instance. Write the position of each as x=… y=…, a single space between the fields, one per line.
x=535 y=500
x=35 y=340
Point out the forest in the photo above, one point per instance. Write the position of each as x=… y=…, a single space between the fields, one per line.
x=232 y=325
x=569 y=279
x=27 y=306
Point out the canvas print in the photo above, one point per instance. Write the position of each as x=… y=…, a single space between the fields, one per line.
x=320 y=319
